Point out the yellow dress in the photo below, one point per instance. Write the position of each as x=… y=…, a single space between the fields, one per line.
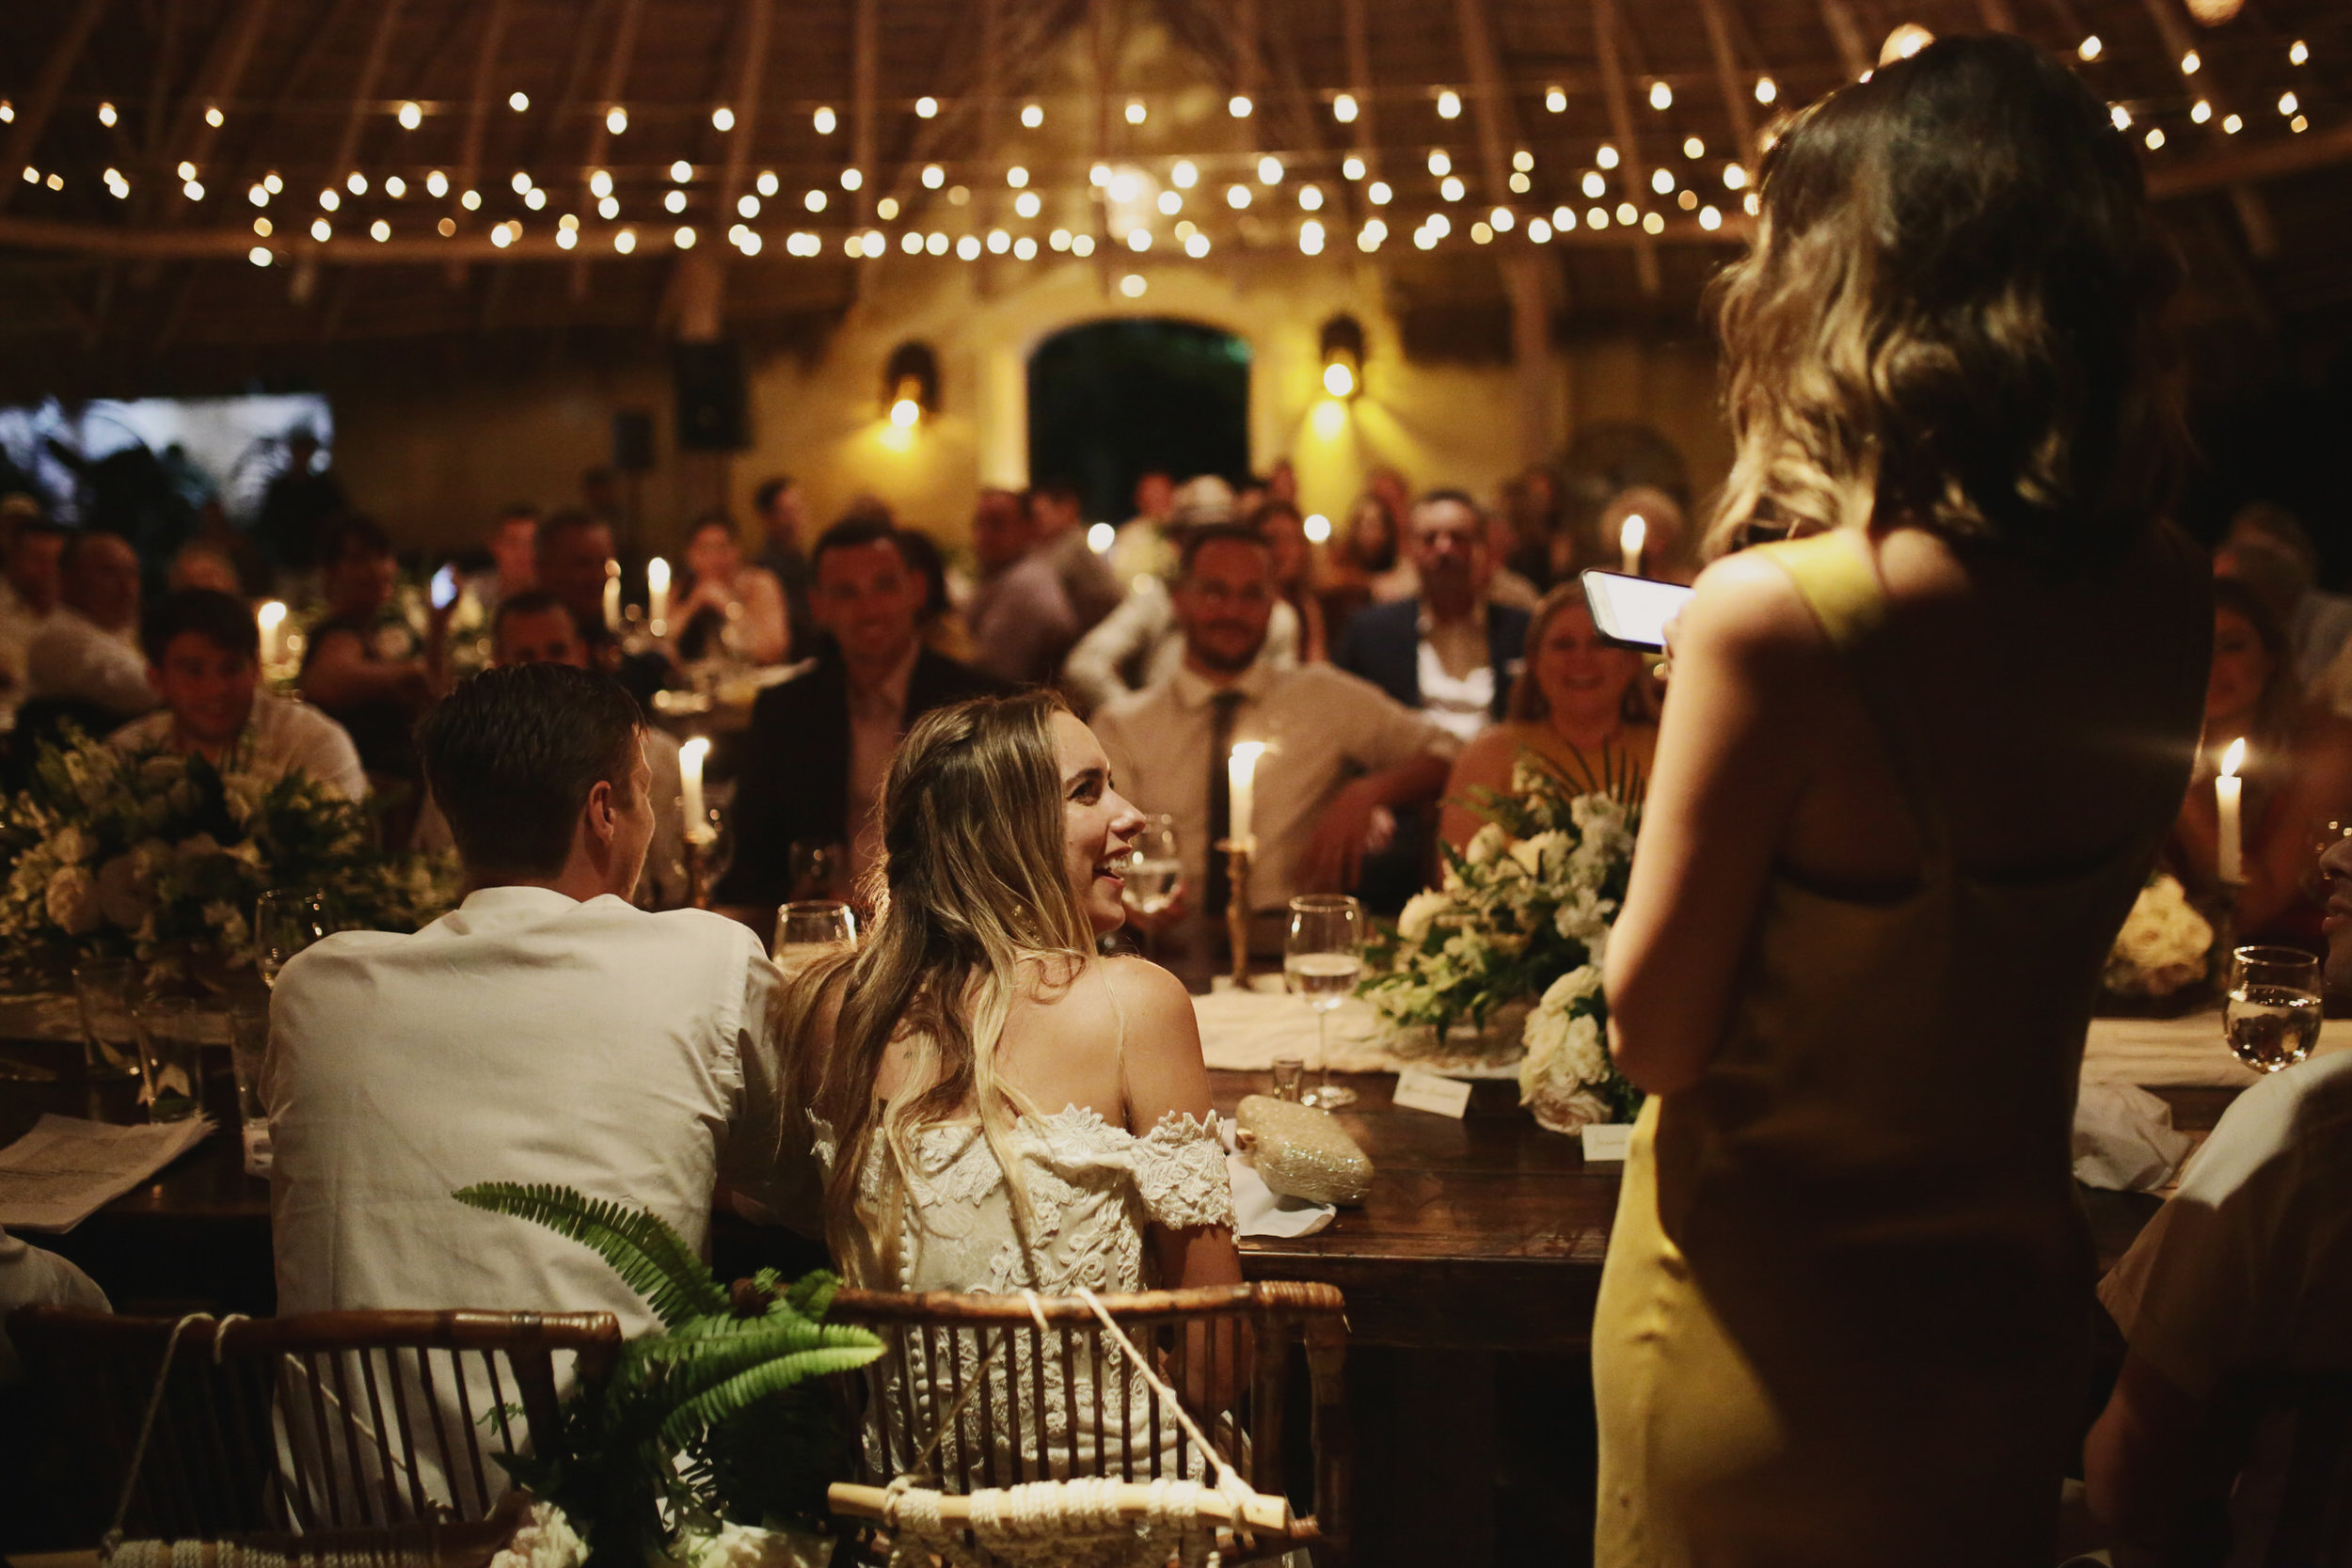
x=1845 y=1316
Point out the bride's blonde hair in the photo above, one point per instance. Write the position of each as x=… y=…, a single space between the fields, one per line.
x=972 y=887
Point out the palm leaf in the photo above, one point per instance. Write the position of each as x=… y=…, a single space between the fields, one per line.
x=652 y=1259
x=747 y=1388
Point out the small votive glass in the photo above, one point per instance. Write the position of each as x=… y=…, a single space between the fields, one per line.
x=170 y=1057
x=1289 y=1077
x=106 y=989
x=248 y=1049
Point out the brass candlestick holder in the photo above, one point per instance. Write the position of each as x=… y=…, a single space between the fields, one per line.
x=698 y=842
x=1238 y=853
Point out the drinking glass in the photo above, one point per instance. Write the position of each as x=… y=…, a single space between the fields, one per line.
x=286 y=921
x=2271 y=1014
x=1154 y=871
x=170 y=1057
x=107 y=988
x=817 y=870
x=1289 y=1077
x=1322 y=954
x=809 y=927
x=249 y=1048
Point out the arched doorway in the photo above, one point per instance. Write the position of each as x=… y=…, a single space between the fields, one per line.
x=1111 y=400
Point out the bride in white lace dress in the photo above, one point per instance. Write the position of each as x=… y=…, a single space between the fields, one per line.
x=997 y=1107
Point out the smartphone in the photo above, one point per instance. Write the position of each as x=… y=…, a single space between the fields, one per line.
x=1632 y=612
x=445 y=587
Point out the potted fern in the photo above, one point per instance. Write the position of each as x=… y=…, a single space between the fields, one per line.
x=707 y=1433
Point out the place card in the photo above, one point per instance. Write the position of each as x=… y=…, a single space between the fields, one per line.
x=1607 y=1142
x=1419 y=1089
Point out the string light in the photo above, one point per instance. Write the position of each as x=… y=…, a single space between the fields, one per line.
x=1453 y=189
x=1017 y=176
x=1131 y=285
x=1032 y=116
x=436 y=183
x=357 y=182
x=933 y=177
x=329 y=200
x=1170 y=203
x=1439 y=164
x=607 y=209
x=600 y=184
x=617 y=121
x=1310 y=197
x=2232 y=125
x=2287 y=102
x=566 y=238
x=1269 y=170
x=1310 y=238
x=936 y=244
x=119 y=186
x=1661 y=96
x=257 y=196
x=1626 y=213
x=258 y=256
x=1352 y=168
x=1597 y=218
x=1343 y=108
x=107 y=114
x=2120 y=116
x=1134 y=111
x=193 y=190
x=1481 y=232
x=998 y=242
x=681 y=171
x=814 y=201
x=379 y=230
x=395 y=187
x=1449 y=104
x=924 y=108
x=321 y=231
x=535 y=199
x=968 y=248
x=186 y=170
x=271 y=183
x=2200 y=111
x=1027 y=204
x=886 y=209
x=2299 y=125
x=2155 y=138
x=447 y=227
x=521 y=182
x=213 y=118
x=723 y=119
x=7 y=112
x=2190 y=63
x=1766 y=90
x=674 y=202
x=825 y=121
x=2299 y=52
x=747 y=206
x=1735 y=176
x=1138 y=239
x=1099 y=176
x=1236 y=196
x=1184 y=175
x=1555 y=101
x=470 y=201
x=411 y=115
x=518 y=102
x=1503 y=218
x=1024 y=248
x=1377 y=193
x=1606 y=157
x=1239 y=105
x=1692 y=148
x=683 y=239
x=2090 y=47
x=1594 y=185
x=1539 y=231
x=1709 y=219
x=1653 y=224
x=625 y=240
x=1562 y=218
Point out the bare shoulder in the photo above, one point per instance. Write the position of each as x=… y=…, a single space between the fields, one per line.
x=1148 y=994
x=1745 y=604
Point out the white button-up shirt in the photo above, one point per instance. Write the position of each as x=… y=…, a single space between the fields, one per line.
x=74 y=656
x=280 y=736
x=524 y=1036
x=1321 y=727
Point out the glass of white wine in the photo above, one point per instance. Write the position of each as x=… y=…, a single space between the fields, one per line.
x=1154 y=870
x=1323 y=956
x=2271 y=1013
x=807 y=928
x=286 y=921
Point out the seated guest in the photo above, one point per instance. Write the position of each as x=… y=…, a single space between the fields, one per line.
x=514 y=557
x=1021 y=619
x=363 y=668
x=976 y=1001
x=205 y=661
x=1360 y=557
x=941 y=623
x=728 y=600
x=777 y=501
x=819 y=745
x=33 y=1276
x=1085 y=572
x=2268 y=549
x=542 y=1031
x=2297 y=774
x=2245 y=1270
x=1142 y=545
x=1574 y=708
x=29 y=573
x=1451 y=651
x=199 y=564
x=86 y=661
x=575 y=558
x=1285 y=533
x=1338 y=749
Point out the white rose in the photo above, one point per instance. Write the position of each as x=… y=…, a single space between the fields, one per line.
x=72 y=897
x=1419 y=910
x=125 y=895
x=1529 y=854
x=1578 y=985
x=1486 y=843
x=70 y=845
x=1584 y=1055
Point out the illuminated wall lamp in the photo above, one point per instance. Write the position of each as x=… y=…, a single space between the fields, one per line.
x=911 y=385
x=1342 y=352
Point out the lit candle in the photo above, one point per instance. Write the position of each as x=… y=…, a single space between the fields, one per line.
x=2226 y=794
x=273 y=618
x=1631 y=539
x=658 y=593
x=689 y=778
x=1241 y=772
x=612 y=596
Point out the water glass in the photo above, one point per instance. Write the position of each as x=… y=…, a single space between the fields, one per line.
x=107 y=988
x=2272 y=1010
x=1289 y=1077
x=1323 y=956
x=286 y=921
x=807 y=928
x=248 y=1049
x=171 y=1057
x=1154 y=871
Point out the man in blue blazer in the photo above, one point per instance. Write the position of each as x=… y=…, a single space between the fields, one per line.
x=1450 y=652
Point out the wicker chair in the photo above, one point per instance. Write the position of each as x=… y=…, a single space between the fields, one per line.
x=325 y=1421
x=1224 y=1347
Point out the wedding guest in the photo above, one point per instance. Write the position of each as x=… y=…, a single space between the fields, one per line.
x=1575 y=708
x=1339 y=752
x=514 y=557
x=299 y=504
x=727 y=597
x=2297 y=774
x=2268 y=549
x=544 y=1030
x=85 y=662
x=1888 y=842
x=819 y=745
x=782 y=521
x=1085 y=572
x=575 y=555
x=204 y=663
x=940 y=620
x=1451 y=651
x=977 y=1000
x=364 y=668
x=1021 y=619
x=1142 y=548
x=2245 y=1274
x=1285 y=533
x=199 y=564
x=29 y=579
x=1360 y=558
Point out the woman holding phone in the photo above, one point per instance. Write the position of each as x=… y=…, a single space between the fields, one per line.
x=1890 y=836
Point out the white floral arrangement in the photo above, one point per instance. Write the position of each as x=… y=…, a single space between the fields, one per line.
x=2165 y=947
x=158 y=857
x=1521 y=916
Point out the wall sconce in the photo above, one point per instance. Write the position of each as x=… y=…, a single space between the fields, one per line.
x=911 y=385
x=1343 y=345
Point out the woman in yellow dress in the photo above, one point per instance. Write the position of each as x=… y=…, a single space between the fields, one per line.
x=1914 y=766
x=1575 y=706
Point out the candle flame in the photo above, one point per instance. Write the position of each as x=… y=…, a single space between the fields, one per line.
x=1243 y=762
x=611 y=567
x=657 y=573
x=2234 y=758
x=271 y=614
x=1635 y=533
x=689 y=756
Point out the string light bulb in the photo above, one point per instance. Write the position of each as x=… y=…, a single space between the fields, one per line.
x=213 y=118
x=723 y=119
x=625 y=240
x=379 y=230
x=2298 y=52
x=436 y=183
x=1135 y=111
x=1184 y=175
x=1661 y=96
x=1766 y=90
x=1555 y=101
x=617 y=121
x=933 y=177
x=257 y=196
x=107 y=114
x=518 y=102
x=600 y=184
x=2091 y=48
x=1351 y=167
x=1032 y=115
x=1439 y=164
x=520 y=184
x=683 y=239
x=271 y=183
x=1448 y=104
x=1027 y=204
x=851 y=179
x=1269 y=170
x=825 y=119
x=330 y=200
x=1239 y=105
x=1343 y=108
x=680 y=172
x=1017 y=176
x=411 y=116
x=186 y=170
x=926 y=107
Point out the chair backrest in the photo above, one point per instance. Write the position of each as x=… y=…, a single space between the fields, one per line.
x=328 y=1421
x=1062 y=1399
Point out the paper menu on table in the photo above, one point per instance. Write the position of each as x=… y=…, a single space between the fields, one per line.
x=66 y=1169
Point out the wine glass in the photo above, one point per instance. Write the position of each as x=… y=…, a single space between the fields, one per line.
x=1154 y=871
x=808 y=926
x=1322 y=954
x=286 y=921
x=2271 y=1014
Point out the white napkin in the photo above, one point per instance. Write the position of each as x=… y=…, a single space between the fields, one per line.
x=1258 y=1209
x=2124 y=1139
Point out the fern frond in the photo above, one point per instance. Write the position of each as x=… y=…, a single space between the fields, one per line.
x=812 y=1294
x=652 y=1259
x=698 y=1362
x=769 y=1377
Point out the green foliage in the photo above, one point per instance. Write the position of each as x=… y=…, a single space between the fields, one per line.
x=717 y=1417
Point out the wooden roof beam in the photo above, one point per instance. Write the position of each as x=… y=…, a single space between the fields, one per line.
x=33 y=116
x=1621 y=119
x=363 y=90
x=1853 y=50
x=1358 y=40
x=1736 y=102
x=1490 y=97
x=2253 y=213
x=749 y=86
x=864 y=74
x=478 y=111
x=224 y=68
x=616 y=65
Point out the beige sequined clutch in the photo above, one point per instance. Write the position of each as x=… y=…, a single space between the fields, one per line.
x=1301 y=1152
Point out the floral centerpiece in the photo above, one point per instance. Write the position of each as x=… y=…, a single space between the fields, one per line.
x=158 y=857
x=1522 y=918
x=2163 y=954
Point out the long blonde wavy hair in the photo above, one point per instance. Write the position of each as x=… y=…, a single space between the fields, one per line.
x=972 y=888
x=1952 y=313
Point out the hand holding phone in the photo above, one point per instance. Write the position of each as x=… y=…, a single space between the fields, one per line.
x=1631 y=611
x=444 y=590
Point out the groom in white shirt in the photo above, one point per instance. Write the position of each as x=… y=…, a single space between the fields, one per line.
x=546 y=1031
